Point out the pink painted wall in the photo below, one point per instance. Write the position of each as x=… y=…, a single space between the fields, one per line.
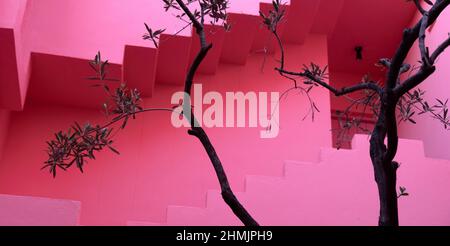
x=346 y=79
x=37 y=211
x=15 y=55
x=339 y=190
x=23 y=48
x=10 y=12
x=435 y=137
x=160 y=165
x=81 y=27
x=4 y=124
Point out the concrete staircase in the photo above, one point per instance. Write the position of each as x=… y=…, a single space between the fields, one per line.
x=48 y=62
x=339 y=190
x=36 y=211
x=40 y=66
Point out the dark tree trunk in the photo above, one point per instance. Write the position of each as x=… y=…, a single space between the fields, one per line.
x=385 y=174
x=227 y=194
x=386 y=182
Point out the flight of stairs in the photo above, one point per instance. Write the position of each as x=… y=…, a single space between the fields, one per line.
x=37 y=211
x=339 y=190
x=50 y=65
x=41 y=66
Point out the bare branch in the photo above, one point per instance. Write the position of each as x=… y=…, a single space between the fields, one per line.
x=198 y=132
x=415 y=80
x=424 y=72
x=386 y=63
x=392 y=134
x=419 y=6
x=191 y=16
x=409 y=37
x=440 y=49
x=423 y=49
x=337 y=92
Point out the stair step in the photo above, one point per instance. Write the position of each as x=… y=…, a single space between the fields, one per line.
x=239 y=40
x=258 y=184
x=330 y=9
x=139 y=68
x=10 y=94
x=215 y=34
x=66 y=80
x=265 y=42
x=406 y=146
x=330 y=154
x=340 y=190
x=36 y=211
x=173 y=48
x=304 y=12
x=292 y=167
x=185 y=216
x=14 y=59
x=362 y=143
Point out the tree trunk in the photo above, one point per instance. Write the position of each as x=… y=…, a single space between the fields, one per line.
x=387 y=191
x=227 y=194
x=385 y=175
x=237 y=208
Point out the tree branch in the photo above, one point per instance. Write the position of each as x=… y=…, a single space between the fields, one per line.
x=306 y=74
x=227 y=193
x=191 y=16
x=336 y=92
x=198 y=132
x=423 y=49
x=424 y=72
x=413 y=81
x=392 y=133
x=439 y=50
x=419 y=6
x=282 y=58
x=409 y=37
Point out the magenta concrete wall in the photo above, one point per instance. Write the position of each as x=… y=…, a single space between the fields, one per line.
x=8 y=12
x=341 y=104
x=160 y=165
x=435 y=137
x=36 y=211
x=81 y=27
x=4 y=124
x=338 y=190
x=346 y=79
x=15 y=55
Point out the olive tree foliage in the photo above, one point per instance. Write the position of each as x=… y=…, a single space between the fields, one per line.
x=81 y=142
x=394 y=101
